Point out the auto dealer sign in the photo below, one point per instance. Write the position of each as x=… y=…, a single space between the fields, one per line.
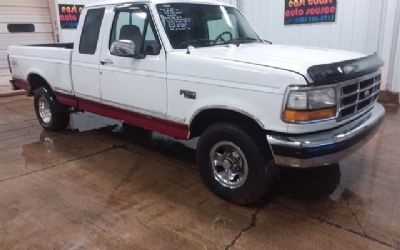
x=69 y=15
x=310 y=11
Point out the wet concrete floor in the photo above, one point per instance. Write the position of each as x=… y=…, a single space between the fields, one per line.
x=112 y=188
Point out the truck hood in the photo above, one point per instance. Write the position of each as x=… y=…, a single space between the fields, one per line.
x=292 y=58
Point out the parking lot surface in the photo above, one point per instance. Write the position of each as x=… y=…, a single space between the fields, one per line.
x=113 y=188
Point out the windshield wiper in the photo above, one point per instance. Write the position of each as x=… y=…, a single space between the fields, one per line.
x=240 y=40
x=188 y=43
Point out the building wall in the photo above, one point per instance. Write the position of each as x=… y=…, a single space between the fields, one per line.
x=388 y=46
x=365 y=26
x=68 y=35
x=233 y=2
x=396 y=73
x=353 y=30
x=34 y=12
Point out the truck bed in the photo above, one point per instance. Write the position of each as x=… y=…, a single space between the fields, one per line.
x=51 y=61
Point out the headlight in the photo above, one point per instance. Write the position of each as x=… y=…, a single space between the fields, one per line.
x=322 y=98
x=310 y=105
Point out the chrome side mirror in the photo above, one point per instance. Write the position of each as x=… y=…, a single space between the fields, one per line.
x=125 y=48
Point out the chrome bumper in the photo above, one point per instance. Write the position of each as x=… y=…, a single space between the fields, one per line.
x=328 y=147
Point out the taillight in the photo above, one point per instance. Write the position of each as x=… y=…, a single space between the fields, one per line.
x=9 y=63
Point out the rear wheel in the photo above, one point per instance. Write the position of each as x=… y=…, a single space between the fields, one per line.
x=52 y=115
x=233 y=165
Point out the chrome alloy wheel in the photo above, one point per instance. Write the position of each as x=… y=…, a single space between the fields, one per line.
x=44 y=110
x=229 y=164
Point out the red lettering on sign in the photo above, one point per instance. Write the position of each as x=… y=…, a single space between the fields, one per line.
x=296 y=3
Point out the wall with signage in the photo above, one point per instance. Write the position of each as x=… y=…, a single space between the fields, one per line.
x=69 y=15
x=309 y=11
x=347 y=24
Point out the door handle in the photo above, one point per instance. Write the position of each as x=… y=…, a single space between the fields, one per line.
x=106 y=62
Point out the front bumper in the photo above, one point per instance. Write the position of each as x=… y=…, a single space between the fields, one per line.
x=325 y=148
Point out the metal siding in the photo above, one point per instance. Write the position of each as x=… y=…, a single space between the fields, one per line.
x=353 y=30
x=386 y=40
x=23 y=11
x=39 y=28
x=396 y=77
x=24 y=39
x=4 y=76
x=6 y=19
x=25 y=3
x=233 y=2
x=3 y=60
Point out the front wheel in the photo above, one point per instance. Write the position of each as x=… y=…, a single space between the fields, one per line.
x=233 y=165
x=52 y=115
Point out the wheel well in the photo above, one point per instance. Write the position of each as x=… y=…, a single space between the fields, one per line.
x=208 y=117
x=35 y=81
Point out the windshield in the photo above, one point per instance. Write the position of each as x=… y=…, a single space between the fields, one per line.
x=201 y=25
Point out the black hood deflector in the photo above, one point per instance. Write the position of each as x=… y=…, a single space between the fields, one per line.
x=343 y=71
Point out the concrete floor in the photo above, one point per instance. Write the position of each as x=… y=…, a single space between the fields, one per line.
x=109 y=189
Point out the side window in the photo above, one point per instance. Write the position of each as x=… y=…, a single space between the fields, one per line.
x=135 y=24
x=91 y=31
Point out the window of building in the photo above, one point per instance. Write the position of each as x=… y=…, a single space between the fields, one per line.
x=20 y=27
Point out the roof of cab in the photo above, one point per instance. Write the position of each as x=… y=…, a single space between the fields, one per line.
x=116 y=2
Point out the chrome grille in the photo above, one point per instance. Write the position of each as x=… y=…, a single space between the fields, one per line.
x=358 y=95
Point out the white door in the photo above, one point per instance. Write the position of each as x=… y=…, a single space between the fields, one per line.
x=22 y=22
x=134 y=84
x=86 y=55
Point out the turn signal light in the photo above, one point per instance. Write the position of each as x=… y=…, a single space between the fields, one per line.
x=295 y=116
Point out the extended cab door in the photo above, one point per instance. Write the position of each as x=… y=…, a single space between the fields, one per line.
x=134 y=83
x=86 y=55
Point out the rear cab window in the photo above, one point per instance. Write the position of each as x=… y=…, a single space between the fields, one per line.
x=91 y=31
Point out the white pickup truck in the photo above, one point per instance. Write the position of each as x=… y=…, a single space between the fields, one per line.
x=197 y=68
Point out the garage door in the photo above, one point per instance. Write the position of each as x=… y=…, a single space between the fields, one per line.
x=22 y=22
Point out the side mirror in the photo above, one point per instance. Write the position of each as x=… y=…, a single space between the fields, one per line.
x=125 y=48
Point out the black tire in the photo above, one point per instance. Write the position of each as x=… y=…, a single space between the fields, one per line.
x=59 y=114
x=262 y=172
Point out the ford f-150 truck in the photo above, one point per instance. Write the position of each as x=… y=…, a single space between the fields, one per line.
x=197 y=68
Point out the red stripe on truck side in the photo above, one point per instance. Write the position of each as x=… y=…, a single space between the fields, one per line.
x=177 y=130
x=67 y=100
x=21 y=84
